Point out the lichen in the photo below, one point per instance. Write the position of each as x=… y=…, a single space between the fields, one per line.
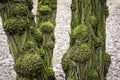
x=47 y=27
x=16 y=25
x=93 y=74
x=20 y=9
x=44 y=9
x=81 y=33
x=82 y=53
x=28 y=65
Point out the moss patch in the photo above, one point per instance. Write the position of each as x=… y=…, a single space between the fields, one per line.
x=93 y=74
x=98 y=42
x=47 y=27
x=16 y=25
x=41 y=51
x=36 y=33
x=50 y=73
x=19 y=9
x=44 y=9
x=29 y=46
x=28 y=65
x=82 y=53
x=81 y=33
x=107 y=60
x=93 y=21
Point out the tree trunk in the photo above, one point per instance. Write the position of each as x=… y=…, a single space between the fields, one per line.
x=30 y=45
x=86 y=58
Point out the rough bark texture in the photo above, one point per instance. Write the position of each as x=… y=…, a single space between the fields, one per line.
x=86 y=58
x=31 y=45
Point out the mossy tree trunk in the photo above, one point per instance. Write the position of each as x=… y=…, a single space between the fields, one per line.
x=46 y=22
x=30 y=45
x=86 y=58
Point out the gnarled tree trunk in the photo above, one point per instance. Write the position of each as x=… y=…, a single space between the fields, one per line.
x=30 y=45
x=86 y=58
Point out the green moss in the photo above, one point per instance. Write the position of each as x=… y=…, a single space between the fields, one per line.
x=47 y=2
x=65 y=61
x=37 y=36
x=54 y=1
x=20 y=9
x=102 y=1
x=28 y=65
x=98 y=42
x=16 y=25
x=44 y=9
x=107 y=60
x=1 y=7
x=82 y=53
x=93 y=74
x=81 y=33
x=106 y=11
x=42 y=52
x=28 y=2
x=73 y=7
x=53 y=6
x=50 y=73
x=50 y=44
x=29 y=46
x=93 y=21
x=47 y=27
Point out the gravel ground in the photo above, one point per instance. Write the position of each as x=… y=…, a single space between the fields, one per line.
x=113 y=39
x=62 y=30
x=6 y=61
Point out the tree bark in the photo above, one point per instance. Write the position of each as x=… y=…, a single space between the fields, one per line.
x=86 y=58
x=30 y=45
